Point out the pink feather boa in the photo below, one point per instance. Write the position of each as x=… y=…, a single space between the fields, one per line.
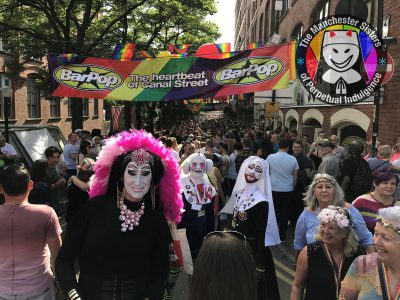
x=170 y=183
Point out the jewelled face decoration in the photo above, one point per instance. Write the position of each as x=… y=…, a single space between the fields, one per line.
x=197 y=167
x=137 y=175
x=253 y=172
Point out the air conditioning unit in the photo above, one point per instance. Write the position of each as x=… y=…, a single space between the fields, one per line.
x=278 y=5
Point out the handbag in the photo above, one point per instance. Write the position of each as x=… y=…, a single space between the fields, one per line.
x=182 y=249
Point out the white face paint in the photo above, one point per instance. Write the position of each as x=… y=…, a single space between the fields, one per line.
x=341 y=57
x=137 y=180
x=197 y=168
x=253 y=172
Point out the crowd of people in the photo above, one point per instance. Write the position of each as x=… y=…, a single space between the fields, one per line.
x=235 y=189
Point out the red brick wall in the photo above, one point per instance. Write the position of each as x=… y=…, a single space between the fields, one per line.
x=389 y=121
x=20 y=107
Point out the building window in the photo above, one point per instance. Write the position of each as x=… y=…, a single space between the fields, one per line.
x=260 y=28
x=323 y=11
x=95 y=107
x=372 y=12
x=55 y=108
x=3 y=101
x=5 y=82
x=2 y=44
x=33 y=99
x=265 y=23
x=69 y=108
x=85 y=107
x=298 y=32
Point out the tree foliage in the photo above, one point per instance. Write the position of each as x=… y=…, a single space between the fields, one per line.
x=34 y=28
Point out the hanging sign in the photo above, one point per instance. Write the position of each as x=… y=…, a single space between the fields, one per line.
x=340 y=60
x=165 y=79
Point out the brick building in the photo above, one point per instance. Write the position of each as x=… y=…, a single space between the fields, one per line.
x=260 y=21
x=29 y=108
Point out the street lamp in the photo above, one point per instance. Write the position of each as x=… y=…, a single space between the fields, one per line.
x=375 y=126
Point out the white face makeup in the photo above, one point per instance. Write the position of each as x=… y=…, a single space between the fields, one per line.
x=253 y=172
x=137 y=180
x=197 y=168
x=341 y=57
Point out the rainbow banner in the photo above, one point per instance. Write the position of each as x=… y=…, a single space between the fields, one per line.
x=124 y=51
x=254 y=45
x=169 y=78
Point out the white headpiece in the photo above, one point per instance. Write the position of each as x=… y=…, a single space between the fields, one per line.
x=186 y=163
x=390 y=217
x=264 y=188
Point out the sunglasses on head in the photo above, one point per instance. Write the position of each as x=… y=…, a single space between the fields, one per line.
x=236 y=234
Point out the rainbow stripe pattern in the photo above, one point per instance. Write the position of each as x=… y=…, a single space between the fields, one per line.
x=147 y=54
x=124 y=51
x=254 y=45
x=168 y=78
x=178 y=48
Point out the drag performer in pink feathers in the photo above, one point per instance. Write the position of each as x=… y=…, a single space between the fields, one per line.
x=121 y=240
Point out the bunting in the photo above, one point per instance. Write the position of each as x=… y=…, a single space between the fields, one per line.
x=147 y=54
x=178 y=48
x=254 y=45
x=66 y=57
x=124 y=51
x=215 y=51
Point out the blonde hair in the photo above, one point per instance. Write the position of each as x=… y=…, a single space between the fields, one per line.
x=385 y=151
x=350 y=241
x=311 y=200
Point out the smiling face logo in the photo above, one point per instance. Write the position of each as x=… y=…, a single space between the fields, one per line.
x=340 y=49
x=340 y=60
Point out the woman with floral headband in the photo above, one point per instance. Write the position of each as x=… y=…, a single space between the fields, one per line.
x=121 y=239
x=377 y=275
x=322 y=265
x=322 y=192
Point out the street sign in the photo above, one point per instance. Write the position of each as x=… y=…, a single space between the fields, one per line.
x=272 y=109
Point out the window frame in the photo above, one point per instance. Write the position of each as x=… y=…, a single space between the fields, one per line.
x=55 y=108
x=85 y=107
x=32 y=98
x=95 y=107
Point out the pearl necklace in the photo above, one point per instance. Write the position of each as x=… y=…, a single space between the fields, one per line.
x=129 y=218
x=246 y=201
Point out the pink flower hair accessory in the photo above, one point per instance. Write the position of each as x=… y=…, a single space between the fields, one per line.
x=335 y=214
x=170 y=183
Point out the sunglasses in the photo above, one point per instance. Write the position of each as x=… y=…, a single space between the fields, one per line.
x=236 y=234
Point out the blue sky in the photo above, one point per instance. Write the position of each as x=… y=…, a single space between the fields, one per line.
x=225 y=19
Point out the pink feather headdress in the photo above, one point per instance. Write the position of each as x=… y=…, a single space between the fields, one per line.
x=170 y=183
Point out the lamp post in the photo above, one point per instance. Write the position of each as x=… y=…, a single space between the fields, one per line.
x=377 y=96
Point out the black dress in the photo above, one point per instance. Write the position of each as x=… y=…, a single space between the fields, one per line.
x=320 y=283
x=197 y=224
x=254 y=229
x=114 y=264
x=76 y=200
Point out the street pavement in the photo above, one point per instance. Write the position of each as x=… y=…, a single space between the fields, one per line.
x=284 y=258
